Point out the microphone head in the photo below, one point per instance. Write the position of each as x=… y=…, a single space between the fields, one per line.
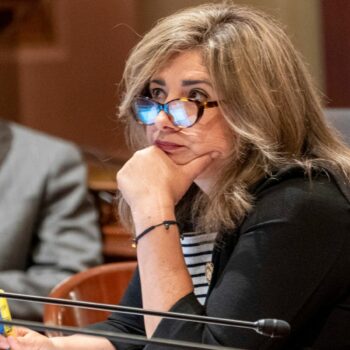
x=273 y=327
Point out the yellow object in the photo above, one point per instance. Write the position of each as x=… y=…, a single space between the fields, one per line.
x=5 y=315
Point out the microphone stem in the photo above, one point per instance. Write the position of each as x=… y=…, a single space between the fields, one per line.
x=123 y=337
x=131 y=310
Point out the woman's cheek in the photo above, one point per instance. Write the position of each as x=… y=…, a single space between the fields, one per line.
x=149 y=135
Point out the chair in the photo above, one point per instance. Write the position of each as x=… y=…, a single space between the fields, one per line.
x=117 y=242
x=102 y=185
x=103 y=284
x=340 y=119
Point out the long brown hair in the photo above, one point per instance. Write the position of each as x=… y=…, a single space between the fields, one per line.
x=267 y=98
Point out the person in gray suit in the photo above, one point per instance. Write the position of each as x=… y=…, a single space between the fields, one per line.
x=48 y=224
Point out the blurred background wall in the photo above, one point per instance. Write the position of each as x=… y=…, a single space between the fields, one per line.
x=61 y=60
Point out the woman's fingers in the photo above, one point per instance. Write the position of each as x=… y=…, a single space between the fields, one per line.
x=151 y=172
x=21 y=331
x=14 y=345
x=27 y=339
x=4 y=343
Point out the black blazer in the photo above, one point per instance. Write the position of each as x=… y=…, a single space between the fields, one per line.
x=289 y=259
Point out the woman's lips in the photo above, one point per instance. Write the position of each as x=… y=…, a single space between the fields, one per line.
x=167 y=146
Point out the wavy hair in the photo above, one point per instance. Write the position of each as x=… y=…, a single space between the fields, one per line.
x=266 y=96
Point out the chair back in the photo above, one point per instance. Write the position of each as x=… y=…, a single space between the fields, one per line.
x=102 y=284
x=340 y=119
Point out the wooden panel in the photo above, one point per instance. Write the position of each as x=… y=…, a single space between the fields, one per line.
x=25 y=22
x=336 y=28
x=67 y=59
x=117 y=243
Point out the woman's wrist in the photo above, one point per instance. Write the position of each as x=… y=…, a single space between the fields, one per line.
x=79 y=341
x=144 y=217
x=165 y=223
x=58 y=343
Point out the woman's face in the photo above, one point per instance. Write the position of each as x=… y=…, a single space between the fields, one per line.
x=186 y=76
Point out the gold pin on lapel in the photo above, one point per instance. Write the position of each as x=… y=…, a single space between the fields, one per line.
x=209 y=268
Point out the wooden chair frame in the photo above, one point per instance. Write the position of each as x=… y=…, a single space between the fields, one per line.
x=103 y=284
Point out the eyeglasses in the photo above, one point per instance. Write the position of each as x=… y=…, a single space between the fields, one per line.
x=184 y=112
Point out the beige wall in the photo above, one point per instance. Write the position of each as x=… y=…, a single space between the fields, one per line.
x=301 y=18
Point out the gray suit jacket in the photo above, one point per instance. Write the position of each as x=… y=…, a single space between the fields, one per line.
x=48 y=225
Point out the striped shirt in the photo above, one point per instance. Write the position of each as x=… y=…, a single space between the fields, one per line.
x=198 y=250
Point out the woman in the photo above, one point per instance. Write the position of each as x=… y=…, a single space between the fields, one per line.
x=235 y=158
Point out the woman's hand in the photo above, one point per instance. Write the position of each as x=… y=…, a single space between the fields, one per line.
x=151 y=176
x=3 y=342
x=152 y=183
x=26 y=339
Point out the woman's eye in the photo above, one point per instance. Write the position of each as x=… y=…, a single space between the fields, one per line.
x=198 y=95
x=158 y=94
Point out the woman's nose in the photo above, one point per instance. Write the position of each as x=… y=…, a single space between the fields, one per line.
x=164 y=121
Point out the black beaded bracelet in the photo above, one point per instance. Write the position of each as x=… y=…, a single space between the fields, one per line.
x=166 y=224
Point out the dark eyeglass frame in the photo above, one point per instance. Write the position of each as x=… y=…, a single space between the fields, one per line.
x=201 y=106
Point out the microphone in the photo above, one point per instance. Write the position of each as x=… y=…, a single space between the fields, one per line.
x=272 y=327
x=267 y=327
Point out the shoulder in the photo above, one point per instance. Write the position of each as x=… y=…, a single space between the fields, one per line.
x=298 y=213
x=294 y=185
x=33 y=152
x=42 y=146
x=297 y=203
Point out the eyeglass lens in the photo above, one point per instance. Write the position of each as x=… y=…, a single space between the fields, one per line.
x=183 y=113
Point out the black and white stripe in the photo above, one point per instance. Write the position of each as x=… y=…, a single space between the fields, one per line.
x=197 y=250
